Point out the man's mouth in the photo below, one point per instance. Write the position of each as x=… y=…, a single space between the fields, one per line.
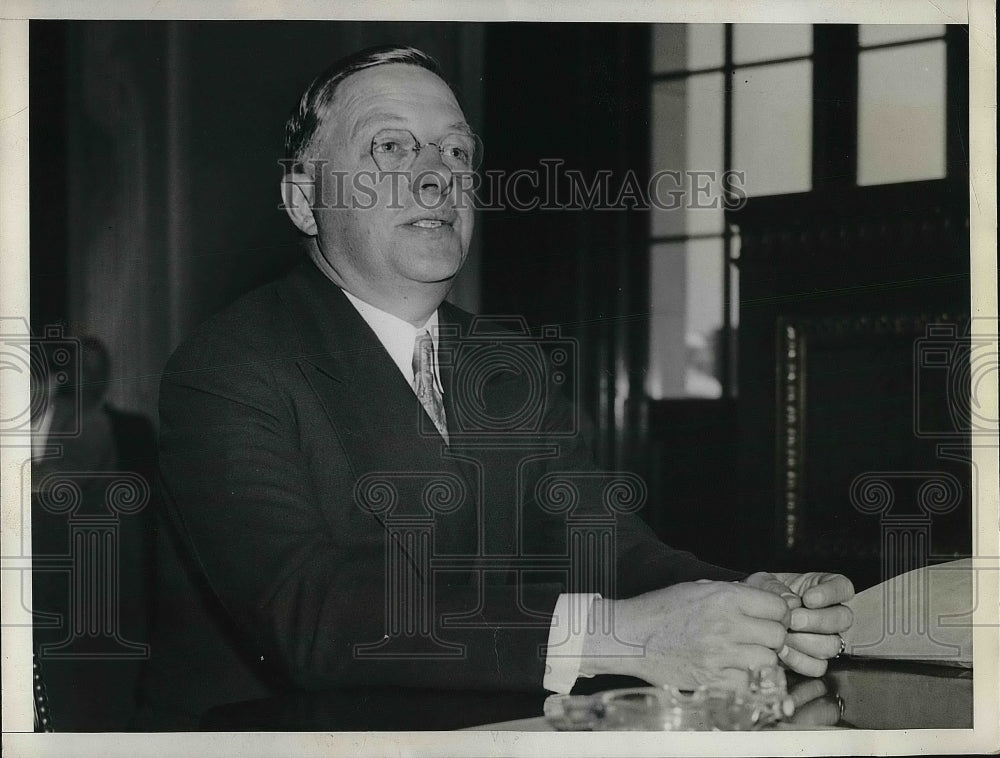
x=434 y=220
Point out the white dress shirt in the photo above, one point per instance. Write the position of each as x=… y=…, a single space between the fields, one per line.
x=398 y=336
x=572 y=612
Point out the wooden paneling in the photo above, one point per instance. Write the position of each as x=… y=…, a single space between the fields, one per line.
x=837 y=291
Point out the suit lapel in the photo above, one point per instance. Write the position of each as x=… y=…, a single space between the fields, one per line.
x=383 y=430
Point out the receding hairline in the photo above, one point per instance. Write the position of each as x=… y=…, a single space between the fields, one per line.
x=312 y=111
x=381 y=114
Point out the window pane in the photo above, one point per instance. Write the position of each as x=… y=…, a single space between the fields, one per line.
x=772 y=127
x=687 y=138
x=705 y=45
x=681 y=47
x=880 y=34
x=685 y=319
x=703 y=126
x=761 y=42
x=901 y=114
x=704 y=287
x=669 y=48
x=668 y=153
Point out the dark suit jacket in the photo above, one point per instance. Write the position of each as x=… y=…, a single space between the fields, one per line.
x=280 y=418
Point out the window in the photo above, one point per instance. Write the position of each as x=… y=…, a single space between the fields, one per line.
x=742 y=110
x=731 y=112
x=901 y=104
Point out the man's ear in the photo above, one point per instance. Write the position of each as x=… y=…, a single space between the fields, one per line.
x=298 y=191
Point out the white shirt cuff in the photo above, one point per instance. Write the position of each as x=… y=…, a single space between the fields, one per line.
x=566 y=635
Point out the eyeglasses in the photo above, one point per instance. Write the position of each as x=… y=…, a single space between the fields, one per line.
x=397 y=149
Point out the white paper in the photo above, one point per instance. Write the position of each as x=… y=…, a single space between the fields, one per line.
x=922 y=615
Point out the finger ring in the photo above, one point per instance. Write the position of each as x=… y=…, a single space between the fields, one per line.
x=843 y=646
x=840 y=708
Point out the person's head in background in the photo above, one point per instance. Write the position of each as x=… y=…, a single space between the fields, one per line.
x=378 y=159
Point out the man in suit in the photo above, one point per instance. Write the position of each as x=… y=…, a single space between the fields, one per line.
x=330 y=449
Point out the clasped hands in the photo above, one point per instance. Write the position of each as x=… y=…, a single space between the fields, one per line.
x=816 y=619
x=714 y=633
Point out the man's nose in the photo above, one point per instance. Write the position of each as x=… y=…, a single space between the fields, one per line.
x=431 y=173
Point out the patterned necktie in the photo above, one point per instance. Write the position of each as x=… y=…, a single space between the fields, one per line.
x=424 y=383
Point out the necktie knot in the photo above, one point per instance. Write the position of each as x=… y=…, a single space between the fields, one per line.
x=423 y=354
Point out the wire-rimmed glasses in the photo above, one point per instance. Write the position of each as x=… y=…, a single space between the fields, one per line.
x=397 y=150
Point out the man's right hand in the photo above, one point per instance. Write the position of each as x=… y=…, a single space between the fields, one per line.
x=687 y=635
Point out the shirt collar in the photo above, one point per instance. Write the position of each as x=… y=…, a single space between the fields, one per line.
x=398 y=336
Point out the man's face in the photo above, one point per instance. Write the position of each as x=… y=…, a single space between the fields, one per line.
x=410 y=229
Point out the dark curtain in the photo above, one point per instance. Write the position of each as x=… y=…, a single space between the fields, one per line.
x=564 y=98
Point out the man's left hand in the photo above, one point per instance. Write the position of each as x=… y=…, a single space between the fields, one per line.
x=817 y=616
